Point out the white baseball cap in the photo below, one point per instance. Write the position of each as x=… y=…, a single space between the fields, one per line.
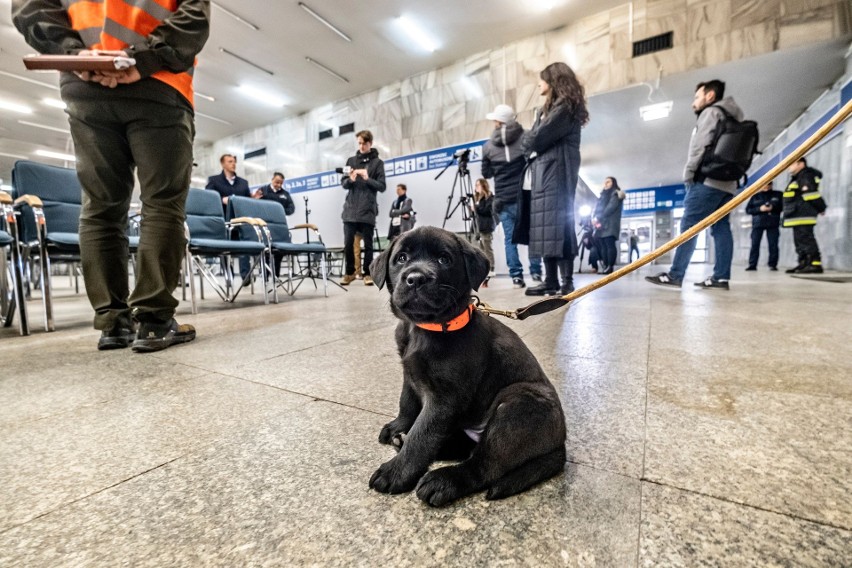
x=501 y=113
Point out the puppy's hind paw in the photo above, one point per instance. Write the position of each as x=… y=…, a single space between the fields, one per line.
x=393 y=434
x=442 y=486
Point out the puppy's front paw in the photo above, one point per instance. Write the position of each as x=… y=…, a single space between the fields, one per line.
x=391 y=477
x=392 y=433
x=441 y=486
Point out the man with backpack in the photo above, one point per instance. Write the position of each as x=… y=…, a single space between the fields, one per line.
x=705 y=193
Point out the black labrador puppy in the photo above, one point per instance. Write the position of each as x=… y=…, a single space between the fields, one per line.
x=471 y=390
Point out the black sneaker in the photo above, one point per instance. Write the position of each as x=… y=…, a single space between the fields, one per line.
x=518 y=282
x=158 y=336
x=663 y=279
x=566 y=289
x=118 y=337
x=795 y=269
x=811 y=269
x=536 y=277
x=544 y=289
x=711 y=284
x=773 y=269
x=752 y=268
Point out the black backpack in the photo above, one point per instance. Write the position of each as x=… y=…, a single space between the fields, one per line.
x=734 y=145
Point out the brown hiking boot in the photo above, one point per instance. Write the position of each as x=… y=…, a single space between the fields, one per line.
x=347 y=279
x=368 y=280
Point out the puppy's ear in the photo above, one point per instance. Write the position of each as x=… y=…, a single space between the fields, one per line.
x=476 y=263
x=380 y=265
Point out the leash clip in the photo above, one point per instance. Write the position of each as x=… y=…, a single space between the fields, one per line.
x=486 y=309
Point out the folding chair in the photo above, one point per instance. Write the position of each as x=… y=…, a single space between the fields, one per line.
x=11 y=269
x=208 y=235
x=280 y=240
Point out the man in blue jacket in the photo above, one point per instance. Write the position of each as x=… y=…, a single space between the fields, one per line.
x=228 y=183
x=765 y=210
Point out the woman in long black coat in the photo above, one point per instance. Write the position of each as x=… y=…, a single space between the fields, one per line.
x=607 y=221
x=553 y=145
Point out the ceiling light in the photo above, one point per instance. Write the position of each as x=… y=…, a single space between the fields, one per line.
x=207 y=116
x=15 y=107
x=322 y=20
x=319 y=65
x=246 y=61
x=44 y=126
x=261 y=95
x=56 y=155
x=237 y=17
x=417 y=34
x=28 y=80
x=55 y=103
x=203 y=96
x=656 y=111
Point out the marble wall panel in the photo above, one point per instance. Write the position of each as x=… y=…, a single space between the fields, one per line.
x=593 y=27
x=595 y=79
x=708 y=19
x=389 y=92
x=423 y=123
x=620 y=42
x=747 y=13
x=670 y=60
x=419 y=83
x=842 y=19
x=527 y=98
x=479 y=130
x=453 y=116
x=532 y=47
x=801 y=29
x=754 y=40
x=451 y=136
x=479 y=85
x=507 y=53
x=709 y=51
x=640 y=10
x=557 y=39
x=791 y=7
x=453 y=93
x=476 y=109
x=528 y=70
x=452 y=73
x=666 y=16
x=477 y=63
x=432 y=99
x=593 y=53
x=412 y=104
x=504 y=77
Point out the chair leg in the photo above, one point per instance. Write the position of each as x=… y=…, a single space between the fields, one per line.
x=188 y=268
x=46 y=291
x=324 y=277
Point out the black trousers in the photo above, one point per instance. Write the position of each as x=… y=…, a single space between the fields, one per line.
x=806 y=244
x=756 y=237
x=349 y=231
x=609 y=252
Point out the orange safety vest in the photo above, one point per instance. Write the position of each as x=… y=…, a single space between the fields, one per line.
x=116 y=24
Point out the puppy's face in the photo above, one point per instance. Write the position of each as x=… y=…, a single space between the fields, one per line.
x=429 y=273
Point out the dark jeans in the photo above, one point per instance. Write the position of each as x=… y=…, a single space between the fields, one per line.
x=701 y=201
x=113 y=137
x=509 y=218
x=634 y=247
x=609 y=251
x=756 y=237
x=806 y=244
x=349 y=231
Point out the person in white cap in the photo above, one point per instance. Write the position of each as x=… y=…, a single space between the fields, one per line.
x=503 y=160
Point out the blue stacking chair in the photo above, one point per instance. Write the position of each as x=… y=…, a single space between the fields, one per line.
x=50 y=200
x=11 y=268
x=209 y=235
x=277 y=233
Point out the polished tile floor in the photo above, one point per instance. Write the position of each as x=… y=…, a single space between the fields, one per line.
x=704 y=428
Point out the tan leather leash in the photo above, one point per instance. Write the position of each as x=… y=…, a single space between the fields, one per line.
x=554 y=302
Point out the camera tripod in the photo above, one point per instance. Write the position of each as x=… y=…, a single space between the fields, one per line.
x=465 y=200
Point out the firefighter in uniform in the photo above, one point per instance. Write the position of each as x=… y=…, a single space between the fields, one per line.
x=802 y=204
x=141 y=118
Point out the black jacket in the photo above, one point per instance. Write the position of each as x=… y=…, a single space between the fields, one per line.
x=281 y=196
x=555 y=171
x=220 y=184
x=765 y=219
x=802 y=199
x=503 y=159
x=608 y=213
x=361 y=205
x=171 y=46
x=485 y=214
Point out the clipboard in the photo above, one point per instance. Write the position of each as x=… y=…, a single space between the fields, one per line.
x=78 y=62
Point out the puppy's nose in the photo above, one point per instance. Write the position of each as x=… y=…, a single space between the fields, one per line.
x=415 y=279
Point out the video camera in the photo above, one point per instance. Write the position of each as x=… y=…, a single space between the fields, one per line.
x=347 y=169
x=463 y=156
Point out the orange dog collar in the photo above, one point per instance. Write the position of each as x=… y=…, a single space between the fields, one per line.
x=453 y=325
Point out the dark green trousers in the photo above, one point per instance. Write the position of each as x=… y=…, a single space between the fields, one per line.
x=113 y=137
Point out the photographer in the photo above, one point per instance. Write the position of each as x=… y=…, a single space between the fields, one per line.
x=365 y=178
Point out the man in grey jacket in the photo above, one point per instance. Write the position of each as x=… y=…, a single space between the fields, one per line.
x=503 y=160
x=705 y=195
x=366 y=178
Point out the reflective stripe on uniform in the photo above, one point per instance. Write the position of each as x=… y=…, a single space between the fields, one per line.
x=816 y=263
x=811 y=195
x=793 y=185
x=798 y=221
x=789 y=194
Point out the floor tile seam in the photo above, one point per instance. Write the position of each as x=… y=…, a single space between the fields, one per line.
x=639 y=523
x=95 y=404
x=748 y=505
x=601 y=469
x=92 y=494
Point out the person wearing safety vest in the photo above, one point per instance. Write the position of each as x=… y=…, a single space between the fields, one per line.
x=142 y=119
x=802 y=204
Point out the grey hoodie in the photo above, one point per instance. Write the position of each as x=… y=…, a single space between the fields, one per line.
x=702 y=136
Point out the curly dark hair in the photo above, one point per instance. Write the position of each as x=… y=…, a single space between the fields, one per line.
x=565 y=88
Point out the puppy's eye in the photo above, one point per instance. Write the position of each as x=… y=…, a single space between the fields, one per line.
x=401 y=258
x=443 y=260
